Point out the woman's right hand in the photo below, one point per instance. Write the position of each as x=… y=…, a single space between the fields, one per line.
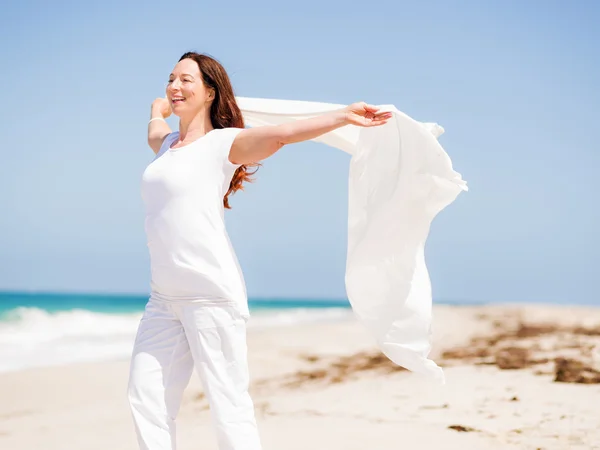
x=161 y=108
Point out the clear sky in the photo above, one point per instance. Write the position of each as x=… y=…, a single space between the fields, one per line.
x=515 y=84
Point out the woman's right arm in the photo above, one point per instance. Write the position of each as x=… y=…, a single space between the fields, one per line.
x=158 y=129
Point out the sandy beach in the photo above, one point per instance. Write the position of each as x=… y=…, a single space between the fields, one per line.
x=518 y=377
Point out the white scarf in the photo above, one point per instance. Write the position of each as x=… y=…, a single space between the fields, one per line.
x=400 y=178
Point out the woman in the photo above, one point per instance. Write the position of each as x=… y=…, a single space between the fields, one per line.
x=197 y=312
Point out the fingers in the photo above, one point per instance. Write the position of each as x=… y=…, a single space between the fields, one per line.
x=371 y=112
x=372 y=115
x=370 y=108
x=387 y=114
x=367 y=115
x=382 y=117
x=378 y=119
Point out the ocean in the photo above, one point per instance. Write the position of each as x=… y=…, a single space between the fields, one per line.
x=44 y=329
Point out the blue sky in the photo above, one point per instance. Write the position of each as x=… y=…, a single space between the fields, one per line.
x=515 y=85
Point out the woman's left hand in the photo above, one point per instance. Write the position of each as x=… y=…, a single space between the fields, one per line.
x=365 y=115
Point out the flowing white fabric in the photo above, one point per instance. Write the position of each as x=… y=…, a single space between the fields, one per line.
x=400 y=178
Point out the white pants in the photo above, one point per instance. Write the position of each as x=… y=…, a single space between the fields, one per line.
x=173 y=338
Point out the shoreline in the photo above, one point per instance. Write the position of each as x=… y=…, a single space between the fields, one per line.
x=442 y=329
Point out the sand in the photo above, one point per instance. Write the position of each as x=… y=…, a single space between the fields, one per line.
x=518 y=377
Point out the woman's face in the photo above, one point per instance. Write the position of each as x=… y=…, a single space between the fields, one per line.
x=185 y=90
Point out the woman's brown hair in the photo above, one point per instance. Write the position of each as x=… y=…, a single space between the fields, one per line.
x=224 y=111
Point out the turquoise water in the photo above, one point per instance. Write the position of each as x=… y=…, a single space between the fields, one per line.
x=122 y=304
x=41 y=328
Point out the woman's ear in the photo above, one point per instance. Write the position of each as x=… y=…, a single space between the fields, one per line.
x=211 y=95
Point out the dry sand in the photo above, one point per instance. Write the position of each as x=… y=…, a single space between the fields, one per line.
x=517 y=378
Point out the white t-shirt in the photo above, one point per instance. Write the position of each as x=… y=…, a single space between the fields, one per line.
x=191 y=256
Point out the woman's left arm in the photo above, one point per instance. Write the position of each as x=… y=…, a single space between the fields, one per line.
x=255 y=144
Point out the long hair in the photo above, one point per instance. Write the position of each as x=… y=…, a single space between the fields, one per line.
x=224 y=111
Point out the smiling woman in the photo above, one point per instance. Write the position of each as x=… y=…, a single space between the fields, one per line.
x=191 y=88
x=197 y=312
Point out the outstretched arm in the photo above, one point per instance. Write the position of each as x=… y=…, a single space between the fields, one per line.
x=158 y=129
x=255 y=144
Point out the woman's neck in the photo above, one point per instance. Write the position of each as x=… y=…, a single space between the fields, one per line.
x=195 y=127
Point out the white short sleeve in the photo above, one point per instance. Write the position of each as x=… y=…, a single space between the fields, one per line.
x=167 y=142
x=226 y=137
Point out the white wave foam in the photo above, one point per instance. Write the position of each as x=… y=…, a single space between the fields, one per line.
x=283 y=317
x=32 y=337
